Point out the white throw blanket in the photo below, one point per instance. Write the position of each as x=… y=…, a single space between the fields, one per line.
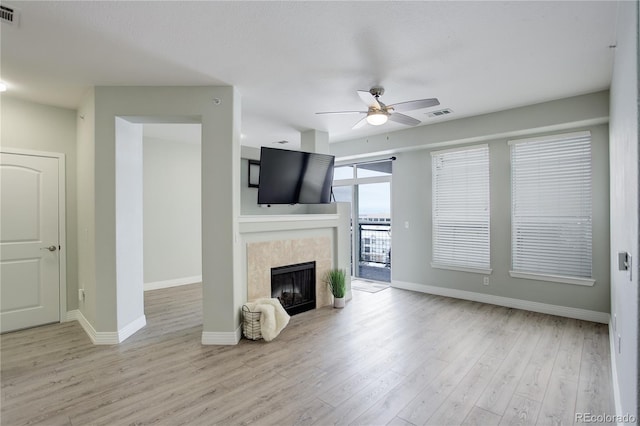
x=273 y=317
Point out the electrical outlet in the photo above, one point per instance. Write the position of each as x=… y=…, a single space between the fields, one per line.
x=625 y=263
x=81 y=294
x=485 y=281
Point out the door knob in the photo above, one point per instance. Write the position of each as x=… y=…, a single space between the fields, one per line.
x=50 y=248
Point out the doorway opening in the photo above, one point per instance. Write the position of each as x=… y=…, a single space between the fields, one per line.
x=367 y=186
x=158 y=209
x=172 y=225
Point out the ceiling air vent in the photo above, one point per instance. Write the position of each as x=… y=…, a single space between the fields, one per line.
x=440 y=112
x=8 y=15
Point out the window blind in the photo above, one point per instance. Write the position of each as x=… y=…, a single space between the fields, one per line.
x=461 y=207
x=551 y=205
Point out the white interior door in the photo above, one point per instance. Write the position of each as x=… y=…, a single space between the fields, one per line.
x=29 y=241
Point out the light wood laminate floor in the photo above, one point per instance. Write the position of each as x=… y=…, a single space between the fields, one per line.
x=393 y=357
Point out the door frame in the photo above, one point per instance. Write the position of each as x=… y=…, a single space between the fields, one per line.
x=354 y=183
x=62 y=230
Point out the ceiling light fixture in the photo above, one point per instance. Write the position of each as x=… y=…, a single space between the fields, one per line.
x=377 y=118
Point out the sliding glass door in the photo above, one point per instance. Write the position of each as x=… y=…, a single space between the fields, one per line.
x=368 y=187
x=374 y=231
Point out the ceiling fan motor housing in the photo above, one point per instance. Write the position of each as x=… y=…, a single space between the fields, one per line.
x=376 y=91
x=383 y=110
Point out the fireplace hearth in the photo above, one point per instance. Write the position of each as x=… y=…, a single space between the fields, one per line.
x=295 y=286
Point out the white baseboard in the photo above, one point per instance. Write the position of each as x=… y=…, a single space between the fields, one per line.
x=91 y=332
x=614 y=372
x=115 y=337
x=156 y=285
x=72 y=316
x=106 y=337
x=222 y=337
x=128 y=330
x=545 y=308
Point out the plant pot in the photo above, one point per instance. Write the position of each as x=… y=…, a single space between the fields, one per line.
x=338 y=302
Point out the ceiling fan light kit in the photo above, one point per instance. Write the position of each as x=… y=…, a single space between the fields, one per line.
x=377 y=118
x=379 y=113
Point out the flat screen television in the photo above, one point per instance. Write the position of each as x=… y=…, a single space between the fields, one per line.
x=294 y=177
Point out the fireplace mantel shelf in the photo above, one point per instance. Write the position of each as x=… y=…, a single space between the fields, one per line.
x=285 y=217
x=260 y=223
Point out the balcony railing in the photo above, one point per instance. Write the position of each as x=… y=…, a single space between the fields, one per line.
x=375 y=243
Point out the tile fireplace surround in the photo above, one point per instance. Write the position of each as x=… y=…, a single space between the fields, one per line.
x=262 y=256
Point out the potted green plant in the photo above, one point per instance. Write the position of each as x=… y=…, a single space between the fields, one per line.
x=336 y=281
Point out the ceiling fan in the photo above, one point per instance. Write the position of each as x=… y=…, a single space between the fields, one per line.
x=378 y=113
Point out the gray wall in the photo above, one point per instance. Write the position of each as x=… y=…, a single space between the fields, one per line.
x=412 y=248
x=87 y=207
x=411 y=196
x=172 y=217
x=32 y=126
x=624 y=207
x=220 y=195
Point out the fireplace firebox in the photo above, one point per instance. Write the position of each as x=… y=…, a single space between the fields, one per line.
x=295 y=287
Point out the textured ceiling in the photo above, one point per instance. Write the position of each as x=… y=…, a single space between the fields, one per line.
x=292 y=59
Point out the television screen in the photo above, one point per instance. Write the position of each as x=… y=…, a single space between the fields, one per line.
x=294 y=177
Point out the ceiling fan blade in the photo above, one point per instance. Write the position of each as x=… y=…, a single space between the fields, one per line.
x=342 y=112
x=403 y=119
x=412 y=105
x=360 y=123
x=368 y=99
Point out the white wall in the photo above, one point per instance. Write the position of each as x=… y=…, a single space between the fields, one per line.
x=624 y=209
x=32 y=126
x=411 y=199
x=129 y=249
x=172 y=217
